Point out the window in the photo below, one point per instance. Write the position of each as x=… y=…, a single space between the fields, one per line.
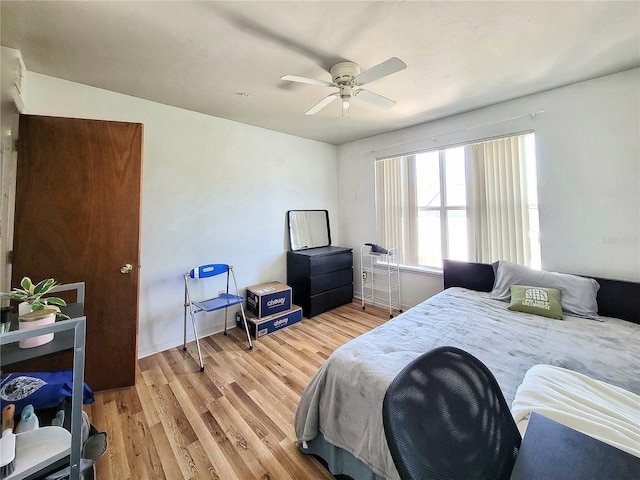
x=475 y=202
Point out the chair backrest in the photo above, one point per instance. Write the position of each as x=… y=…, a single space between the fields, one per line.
x=444 y=416
x=210 y=270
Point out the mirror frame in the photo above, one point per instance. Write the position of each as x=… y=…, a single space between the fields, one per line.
x=290 y=215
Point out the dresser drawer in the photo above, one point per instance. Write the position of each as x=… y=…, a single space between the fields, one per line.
x=321 y=278
x=321 y=283
x=330 y=263
x=329 y=300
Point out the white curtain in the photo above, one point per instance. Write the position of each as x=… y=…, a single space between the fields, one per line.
x=499 y=214
x=397 y=206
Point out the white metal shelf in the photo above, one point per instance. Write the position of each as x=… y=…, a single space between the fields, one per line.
x=380 y=279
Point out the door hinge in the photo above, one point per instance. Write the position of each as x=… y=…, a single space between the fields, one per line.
x=10 y=256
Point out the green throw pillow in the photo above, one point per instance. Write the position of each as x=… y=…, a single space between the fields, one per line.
x=536 y=300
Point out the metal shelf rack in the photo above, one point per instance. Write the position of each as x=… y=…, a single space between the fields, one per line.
x=380 y=279
x=69 y=334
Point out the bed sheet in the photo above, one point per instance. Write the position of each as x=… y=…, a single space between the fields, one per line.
x=343 y=400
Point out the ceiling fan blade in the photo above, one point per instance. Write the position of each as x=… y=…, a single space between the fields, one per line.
x=392 y=65
x=322 y=103
x=311 y=81
x=374 y=99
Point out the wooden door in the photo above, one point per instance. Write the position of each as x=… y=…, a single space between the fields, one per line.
x=78 y=196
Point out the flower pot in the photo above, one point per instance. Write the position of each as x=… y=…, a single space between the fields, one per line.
x=24 y=308
x=35 y=319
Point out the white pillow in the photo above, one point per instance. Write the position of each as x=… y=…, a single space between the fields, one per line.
x=578 y=294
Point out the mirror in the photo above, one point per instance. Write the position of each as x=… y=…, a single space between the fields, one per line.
x=309 y=229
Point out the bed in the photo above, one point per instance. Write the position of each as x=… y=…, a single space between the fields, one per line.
x=339 y=416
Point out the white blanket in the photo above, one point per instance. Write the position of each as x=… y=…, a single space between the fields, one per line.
x=606 y=412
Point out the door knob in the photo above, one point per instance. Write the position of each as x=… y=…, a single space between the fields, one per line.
x=126 y=268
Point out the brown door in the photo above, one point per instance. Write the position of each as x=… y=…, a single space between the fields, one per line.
x=78 y=195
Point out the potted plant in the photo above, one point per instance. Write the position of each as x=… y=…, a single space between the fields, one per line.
x=33 y=296
x=35 y=309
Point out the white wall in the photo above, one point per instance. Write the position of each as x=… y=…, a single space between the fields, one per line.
x=588 y=179
x=213 y=191
x=588 y=160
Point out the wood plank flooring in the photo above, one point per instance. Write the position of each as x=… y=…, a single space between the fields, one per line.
x=232 y=421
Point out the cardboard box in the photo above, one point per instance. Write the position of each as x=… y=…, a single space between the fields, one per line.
x=259 y=327
x=268 y=299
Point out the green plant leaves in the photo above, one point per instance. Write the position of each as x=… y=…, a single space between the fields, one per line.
x=32 y=294
x=26 y=283
x=55 y=301
x=44 y=286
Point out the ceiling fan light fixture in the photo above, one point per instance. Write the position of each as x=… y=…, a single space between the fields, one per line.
x=345 y=105
x=345 y=97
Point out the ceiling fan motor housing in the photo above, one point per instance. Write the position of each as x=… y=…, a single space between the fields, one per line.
x=345 y=91
x=344 y=72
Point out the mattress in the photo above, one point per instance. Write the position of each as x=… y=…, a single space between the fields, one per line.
x=342 y=404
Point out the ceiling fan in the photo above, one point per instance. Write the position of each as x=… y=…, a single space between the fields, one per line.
x=346 y=76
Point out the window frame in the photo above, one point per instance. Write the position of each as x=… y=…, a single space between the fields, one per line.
x=444 y=208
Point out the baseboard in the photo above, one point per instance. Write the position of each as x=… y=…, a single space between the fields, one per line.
x=169 y=344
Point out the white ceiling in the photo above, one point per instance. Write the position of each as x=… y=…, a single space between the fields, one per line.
x=202 y=55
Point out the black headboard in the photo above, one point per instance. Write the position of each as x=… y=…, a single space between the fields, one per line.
x=474 y=276
x=616 y=298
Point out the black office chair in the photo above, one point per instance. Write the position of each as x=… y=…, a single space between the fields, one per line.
x=445 y=417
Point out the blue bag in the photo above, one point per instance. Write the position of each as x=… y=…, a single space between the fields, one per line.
x=40 y=389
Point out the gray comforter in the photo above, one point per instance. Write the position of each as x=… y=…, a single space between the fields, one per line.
x=344 y=399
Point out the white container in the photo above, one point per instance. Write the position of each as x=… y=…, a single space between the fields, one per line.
x=35 y=319
x=28 y=420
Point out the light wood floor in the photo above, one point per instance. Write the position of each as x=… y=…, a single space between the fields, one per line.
x=232 y=421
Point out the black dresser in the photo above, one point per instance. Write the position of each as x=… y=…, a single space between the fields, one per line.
x=321 y=278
